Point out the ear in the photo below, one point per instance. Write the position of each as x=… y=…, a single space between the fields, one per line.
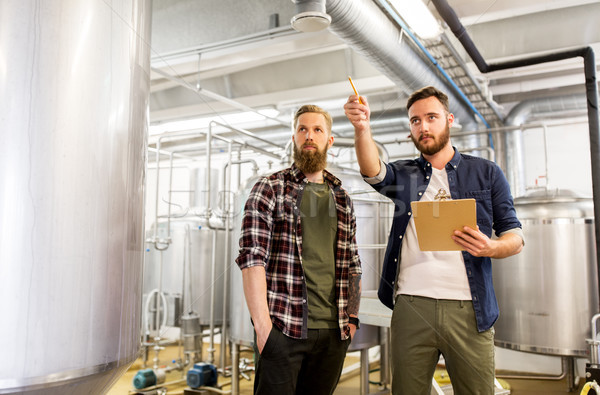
x=330 y=141
x=450 y=119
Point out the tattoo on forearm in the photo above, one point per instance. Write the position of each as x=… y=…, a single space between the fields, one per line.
x=354 y=295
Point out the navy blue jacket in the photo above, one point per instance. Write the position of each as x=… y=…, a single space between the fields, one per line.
x=468 y=177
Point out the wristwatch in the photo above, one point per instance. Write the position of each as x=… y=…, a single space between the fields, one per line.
x=355 y=321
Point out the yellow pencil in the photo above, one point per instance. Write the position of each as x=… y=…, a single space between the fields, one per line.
x=355 y=91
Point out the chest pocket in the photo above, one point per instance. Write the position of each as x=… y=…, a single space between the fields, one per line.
x=483 y=201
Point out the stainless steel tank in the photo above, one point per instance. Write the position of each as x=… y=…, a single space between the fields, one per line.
x=549 y=292
x=372 y=217
x=187 y=267
x=73 y=126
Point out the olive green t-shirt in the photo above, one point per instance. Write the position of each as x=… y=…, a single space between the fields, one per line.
x=319 y=228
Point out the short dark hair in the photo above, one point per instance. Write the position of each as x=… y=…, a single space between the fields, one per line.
x=426 y=92
x=313 y=108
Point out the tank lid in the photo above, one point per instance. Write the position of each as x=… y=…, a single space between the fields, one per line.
x=555 y=195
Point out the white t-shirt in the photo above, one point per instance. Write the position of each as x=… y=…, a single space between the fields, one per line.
x=433 y=274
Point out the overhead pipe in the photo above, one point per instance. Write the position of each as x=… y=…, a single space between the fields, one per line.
x=519 y=115
x=363 y=25
x=591 y=85
x=310 y=16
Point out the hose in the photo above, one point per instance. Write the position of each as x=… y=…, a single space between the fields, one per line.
x=590 y=385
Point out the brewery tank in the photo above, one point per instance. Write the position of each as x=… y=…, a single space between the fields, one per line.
x=372 y=222
x=182 y=268
x=73 y=126
x=548 y=293
x=183 y=271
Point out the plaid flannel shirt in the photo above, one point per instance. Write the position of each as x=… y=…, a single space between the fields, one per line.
x=272 y=236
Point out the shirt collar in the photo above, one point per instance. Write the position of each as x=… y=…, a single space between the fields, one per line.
x=453 y=162
x=327 y=176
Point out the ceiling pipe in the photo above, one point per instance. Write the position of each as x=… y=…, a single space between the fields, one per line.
x=591 y=86
x=519 y=115
x=527 y=109
x=363 y=25
x=310 y=16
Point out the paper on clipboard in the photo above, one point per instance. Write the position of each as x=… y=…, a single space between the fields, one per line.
x=435 y=221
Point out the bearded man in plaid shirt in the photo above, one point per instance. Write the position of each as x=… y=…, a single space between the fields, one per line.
x=300 y=267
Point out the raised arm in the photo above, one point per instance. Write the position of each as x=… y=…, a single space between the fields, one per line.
x=366 y=150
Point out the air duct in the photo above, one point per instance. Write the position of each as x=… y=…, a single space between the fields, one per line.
x=362 y=25
x=513 y=141
x=310 y=16
x=522 y=112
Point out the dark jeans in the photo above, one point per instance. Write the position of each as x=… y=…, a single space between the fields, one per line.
x=300 y=366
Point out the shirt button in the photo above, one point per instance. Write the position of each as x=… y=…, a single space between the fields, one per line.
x=395 y=259
x=474 y=297
x=409 y=213
x=400 y=236
x=427 y=177
x=420 y=193
x=303 y=300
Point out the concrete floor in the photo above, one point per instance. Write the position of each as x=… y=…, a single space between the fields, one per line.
x=349 y=384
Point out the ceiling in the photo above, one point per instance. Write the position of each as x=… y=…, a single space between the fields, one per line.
x=214 y=57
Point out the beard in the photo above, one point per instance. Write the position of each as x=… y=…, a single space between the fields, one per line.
x=310 y=161
x=439 y=142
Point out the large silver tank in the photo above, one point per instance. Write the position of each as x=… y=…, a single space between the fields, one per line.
x=549 y=292
x=186 y=267
x=73 y=126
x=372 y=219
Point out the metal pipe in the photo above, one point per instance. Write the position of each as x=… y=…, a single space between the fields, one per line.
x=546 y=174
x=567 y=371
x=245 y=133
x=211 y=346
x=594 y=343
x=208 y=164
x=155 y=237
x=159 y=295
x=364 y=371
x=226 y=213
x=235 y=368
x=226 y=187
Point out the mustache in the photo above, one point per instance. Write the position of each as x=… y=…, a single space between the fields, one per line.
x=309 y=145
x=423 y=136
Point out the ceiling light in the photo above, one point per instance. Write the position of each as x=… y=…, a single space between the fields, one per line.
x=418 y=17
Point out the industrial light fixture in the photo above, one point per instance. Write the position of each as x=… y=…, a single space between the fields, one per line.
x=416 y=14
x=310 y=16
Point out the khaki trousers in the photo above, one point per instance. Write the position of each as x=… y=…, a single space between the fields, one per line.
x=422 y=329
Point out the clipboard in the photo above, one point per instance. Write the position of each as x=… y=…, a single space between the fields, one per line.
x=435 y=221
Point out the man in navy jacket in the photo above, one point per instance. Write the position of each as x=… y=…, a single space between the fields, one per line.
x=443 y=301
